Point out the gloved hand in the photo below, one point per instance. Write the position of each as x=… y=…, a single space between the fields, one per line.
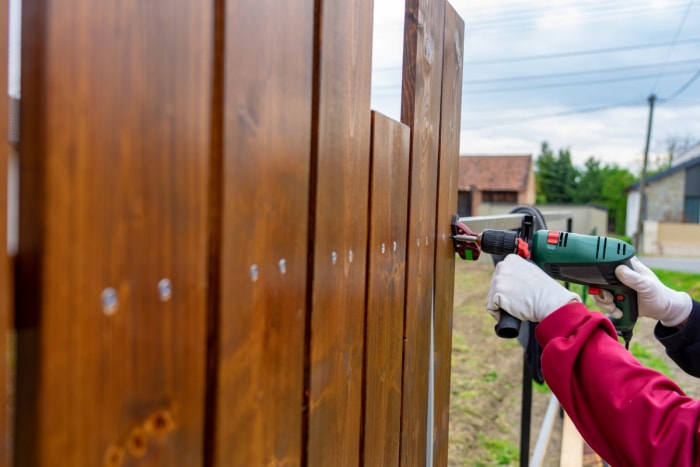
x=654 y=299
x=525 y=291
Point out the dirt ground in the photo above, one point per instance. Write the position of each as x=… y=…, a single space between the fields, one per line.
x=487 y=377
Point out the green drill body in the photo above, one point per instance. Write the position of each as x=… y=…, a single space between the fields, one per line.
x=589 y=260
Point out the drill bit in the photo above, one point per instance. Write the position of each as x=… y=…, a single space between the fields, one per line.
x=467 y=238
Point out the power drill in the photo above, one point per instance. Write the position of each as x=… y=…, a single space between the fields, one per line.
x=589 y=260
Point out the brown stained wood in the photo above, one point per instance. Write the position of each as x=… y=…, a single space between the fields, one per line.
x=448 y=173
x=385 y=291
x=339 y=207
x=114 y=144
x=6 y=294
x=268 y=74
x=420 y=110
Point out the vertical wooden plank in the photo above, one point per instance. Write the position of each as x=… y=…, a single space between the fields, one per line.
x=5 y=276
x=114 y=155
x=339 y=209
x=385 y=291
x=267 y=145
x=420 y=110
x=448 y=174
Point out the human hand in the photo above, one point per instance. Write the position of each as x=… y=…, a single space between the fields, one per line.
x=522 y=289
x=654 y=299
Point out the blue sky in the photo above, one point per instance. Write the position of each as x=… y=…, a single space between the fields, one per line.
x=575 y=73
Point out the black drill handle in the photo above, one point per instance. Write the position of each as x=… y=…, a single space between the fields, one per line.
x=507 y=327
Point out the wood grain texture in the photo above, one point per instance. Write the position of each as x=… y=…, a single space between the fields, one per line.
x=266 y=148
x=339 y=210
x=420 y=110
x=114 y=144
x=6 y=295
x=385 y=291
x=448 y=173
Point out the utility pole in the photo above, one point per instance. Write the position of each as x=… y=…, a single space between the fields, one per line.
x=638 y=236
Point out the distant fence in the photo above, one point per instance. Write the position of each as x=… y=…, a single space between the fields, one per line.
x=225 y=258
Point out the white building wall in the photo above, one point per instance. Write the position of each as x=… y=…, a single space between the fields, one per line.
x=632 y=213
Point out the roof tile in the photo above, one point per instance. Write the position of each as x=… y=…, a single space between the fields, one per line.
x=495 y=173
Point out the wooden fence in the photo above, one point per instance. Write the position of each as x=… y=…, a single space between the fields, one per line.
x=225 y=257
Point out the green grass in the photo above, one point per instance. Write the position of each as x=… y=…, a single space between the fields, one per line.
x=682 y=281
x=541 y=388
x=500 y=452
x=646 y=358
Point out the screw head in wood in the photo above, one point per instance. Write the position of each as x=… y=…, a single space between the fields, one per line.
x=165 y=290
x=110 y=303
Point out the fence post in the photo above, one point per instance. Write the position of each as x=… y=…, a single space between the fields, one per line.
x=420 y=110
x=447 y=186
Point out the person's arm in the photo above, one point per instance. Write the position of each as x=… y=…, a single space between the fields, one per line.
x=629 y=414
x=683 y=342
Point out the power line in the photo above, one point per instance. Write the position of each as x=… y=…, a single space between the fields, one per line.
x=396 y=87
x=578 y=73
x=553 y=18
x=673 y=44
x=596 y=11
x=577 y=53
x=577 y=83
x=517 y=8
x=683 y=88
x=502 y=122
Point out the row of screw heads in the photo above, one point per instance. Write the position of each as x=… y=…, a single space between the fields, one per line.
x=110 y=299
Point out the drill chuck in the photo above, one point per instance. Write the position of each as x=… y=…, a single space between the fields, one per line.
x=499 y=242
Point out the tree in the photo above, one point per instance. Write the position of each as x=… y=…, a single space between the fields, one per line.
x=557 y=181
x=590 y=184
x=614 y=181
x=556 y=177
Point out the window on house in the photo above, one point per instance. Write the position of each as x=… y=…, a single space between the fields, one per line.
x=692 y=209
x=464 y=203
x=500 y=196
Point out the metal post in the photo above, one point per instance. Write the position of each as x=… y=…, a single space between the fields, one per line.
x=525 y=413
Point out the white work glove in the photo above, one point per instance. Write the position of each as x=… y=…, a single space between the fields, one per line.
x=525 y=291
x=654 y=299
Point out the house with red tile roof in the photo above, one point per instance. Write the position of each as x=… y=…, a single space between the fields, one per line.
x=508 y=179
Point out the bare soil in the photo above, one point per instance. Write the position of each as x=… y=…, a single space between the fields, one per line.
x=486 y=382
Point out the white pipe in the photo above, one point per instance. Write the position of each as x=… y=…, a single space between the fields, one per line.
x=431 y=387
x=14 y=67
x=545 y=432
x=14 y=59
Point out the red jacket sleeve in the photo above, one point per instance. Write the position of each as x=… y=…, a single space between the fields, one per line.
x=629 y=414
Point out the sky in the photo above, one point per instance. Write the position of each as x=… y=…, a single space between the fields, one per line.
x=577 y=74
